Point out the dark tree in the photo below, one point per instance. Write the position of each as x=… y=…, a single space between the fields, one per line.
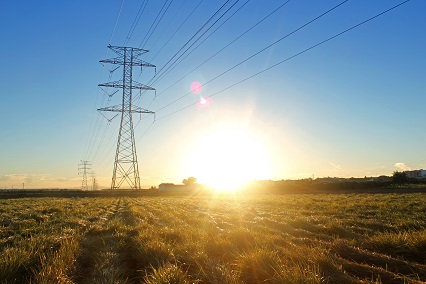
x=189 y=181
x=399 y=177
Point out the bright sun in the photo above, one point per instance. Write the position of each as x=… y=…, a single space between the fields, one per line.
x=227 y=158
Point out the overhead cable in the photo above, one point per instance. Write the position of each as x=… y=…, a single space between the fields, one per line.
x=226 y=46
x=136 y=21
x=152 y=28
x=291 y=57
x=258 y=52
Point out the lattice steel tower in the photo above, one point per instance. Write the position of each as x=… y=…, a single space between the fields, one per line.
x=126 y=161
x=83 y=168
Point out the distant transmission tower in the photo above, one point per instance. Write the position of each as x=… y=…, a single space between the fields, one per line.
x=126 y=161
x=94 y=182
x=83 y=168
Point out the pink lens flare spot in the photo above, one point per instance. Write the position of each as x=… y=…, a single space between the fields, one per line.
x=196 y=87
x=203 y=103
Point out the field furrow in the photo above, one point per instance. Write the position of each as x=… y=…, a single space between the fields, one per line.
x=40 y=237
x=106 y=249
x=341 y=238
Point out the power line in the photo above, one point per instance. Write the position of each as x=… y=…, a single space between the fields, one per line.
x=186 y=19
x=226 y=46
x=164 y=45
x=188 y=41
x=102 y=162
x=258 y=52
x=149 y=33
x=95 y=136
x=143 y=134
x=91 y=138
x=97 y=128
x=116 y=22
x=165 y=11
x=101 y=141
x=136 y=21
x=186 y=56
x=291 y=57
x=126 y=167
x=161 y=75
x=155 y=79
x=168 y=24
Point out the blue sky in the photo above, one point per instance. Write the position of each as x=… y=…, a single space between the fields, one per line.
x=350 y=107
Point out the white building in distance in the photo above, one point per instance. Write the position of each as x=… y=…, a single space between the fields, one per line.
x=416 y=173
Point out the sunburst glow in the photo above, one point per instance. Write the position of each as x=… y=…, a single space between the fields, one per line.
x=227 y=158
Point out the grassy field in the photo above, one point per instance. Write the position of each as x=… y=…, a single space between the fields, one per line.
x=290 y=238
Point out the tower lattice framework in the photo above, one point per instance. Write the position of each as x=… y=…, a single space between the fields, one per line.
x=126 y=162
x=83 y=168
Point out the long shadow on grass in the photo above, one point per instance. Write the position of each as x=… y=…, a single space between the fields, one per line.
x=108 y=251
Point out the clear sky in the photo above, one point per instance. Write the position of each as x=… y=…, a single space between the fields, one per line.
x=351 y=107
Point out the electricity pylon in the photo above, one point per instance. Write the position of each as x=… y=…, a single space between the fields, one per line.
x=84 y=167
x=94 y=182
x=126 y=161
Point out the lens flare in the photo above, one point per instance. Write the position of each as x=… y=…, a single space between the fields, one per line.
x=196 y=87
x=203 y=103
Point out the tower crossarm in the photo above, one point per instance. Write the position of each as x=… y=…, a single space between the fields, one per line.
x=83 y=168
x=126 y=168
x=119 y=50
x=119 y=108
x=134 y=85
x=120 y=61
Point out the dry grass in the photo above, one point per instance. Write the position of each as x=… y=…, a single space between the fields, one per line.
x=40 y=238
x=342 y=238
x=167 y=273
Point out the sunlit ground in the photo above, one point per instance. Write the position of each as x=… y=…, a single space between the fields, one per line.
x=227 y=158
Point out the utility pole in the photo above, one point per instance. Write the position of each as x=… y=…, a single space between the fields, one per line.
x=83 y=168
x=126 y=161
